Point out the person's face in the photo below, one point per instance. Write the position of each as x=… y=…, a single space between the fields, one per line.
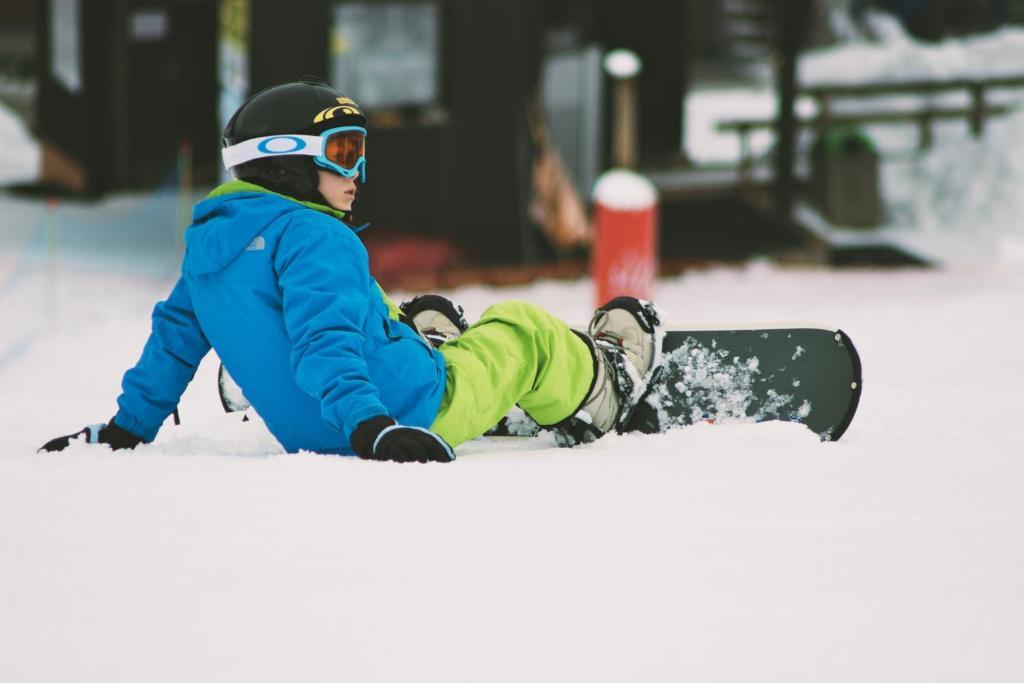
x=339 y=191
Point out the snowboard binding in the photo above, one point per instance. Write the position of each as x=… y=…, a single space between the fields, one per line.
x=437 y=318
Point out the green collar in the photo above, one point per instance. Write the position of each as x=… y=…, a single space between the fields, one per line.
x=236 y=186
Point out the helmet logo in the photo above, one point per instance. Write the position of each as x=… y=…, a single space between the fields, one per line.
x=347 y=106
x=281 y=144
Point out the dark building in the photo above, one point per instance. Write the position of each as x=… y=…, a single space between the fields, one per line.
x=121 y=87
x=125 y=86
x=17 y=56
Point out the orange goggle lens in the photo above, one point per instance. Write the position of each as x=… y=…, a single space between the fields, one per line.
x=345 y=148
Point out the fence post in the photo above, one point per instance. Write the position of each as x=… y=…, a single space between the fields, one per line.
x=746 y=156
x=977 y=108
x=925 y=137
x=824 y=120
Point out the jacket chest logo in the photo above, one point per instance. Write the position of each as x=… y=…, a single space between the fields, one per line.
x=258 y=244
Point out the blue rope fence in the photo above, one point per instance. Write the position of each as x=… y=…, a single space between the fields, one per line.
x=140 y=234
x=23 y=267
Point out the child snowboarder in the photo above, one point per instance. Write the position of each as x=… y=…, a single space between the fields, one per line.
x=278 y=284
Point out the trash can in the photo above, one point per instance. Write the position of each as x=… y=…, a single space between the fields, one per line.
x=844 y=184
x=625 y=252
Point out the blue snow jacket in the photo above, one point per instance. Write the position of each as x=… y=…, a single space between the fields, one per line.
x=282 y=291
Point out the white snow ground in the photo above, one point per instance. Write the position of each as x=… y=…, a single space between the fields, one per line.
x=725 y=553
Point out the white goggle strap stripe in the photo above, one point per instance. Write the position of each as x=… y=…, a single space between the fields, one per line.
x=272 y=146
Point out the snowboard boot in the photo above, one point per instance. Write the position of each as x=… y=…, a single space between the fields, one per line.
x=438 y=319
x=623 y=336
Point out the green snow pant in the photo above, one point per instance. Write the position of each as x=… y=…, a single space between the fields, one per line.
x=517 y=353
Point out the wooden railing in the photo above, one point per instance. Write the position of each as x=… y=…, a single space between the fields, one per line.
x=976 y=112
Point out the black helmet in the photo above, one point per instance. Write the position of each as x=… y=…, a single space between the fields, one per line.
x=285 y=118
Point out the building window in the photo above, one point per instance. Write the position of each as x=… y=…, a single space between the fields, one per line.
x=65 y=60
x=385 y=54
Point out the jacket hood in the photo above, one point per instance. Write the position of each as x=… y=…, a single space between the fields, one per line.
x=228 y=221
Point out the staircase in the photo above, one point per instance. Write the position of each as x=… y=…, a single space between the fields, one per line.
x=748 y=30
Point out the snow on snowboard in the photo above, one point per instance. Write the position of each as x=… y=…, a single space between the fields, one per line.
x=806 y=375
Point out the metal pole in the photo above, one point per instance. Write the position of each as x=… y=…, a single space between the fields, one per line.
x=623 y=66
x=794 y=19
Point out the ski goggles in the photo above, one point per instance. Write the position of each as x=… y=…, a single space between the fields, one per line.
x=342 y=150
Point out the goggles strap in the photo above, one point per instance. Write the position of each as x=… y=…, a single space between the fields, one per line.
x=272 y=146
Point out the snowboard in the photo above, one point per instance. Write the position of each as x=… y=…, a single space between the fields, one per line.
x=807 y=375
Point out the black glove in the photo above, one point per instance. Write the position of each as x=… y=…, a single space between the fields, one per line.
x=379 y=438
x=110 y=434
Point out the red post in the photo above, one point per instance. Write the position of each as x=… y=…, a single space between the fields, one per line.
x=625 y=253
